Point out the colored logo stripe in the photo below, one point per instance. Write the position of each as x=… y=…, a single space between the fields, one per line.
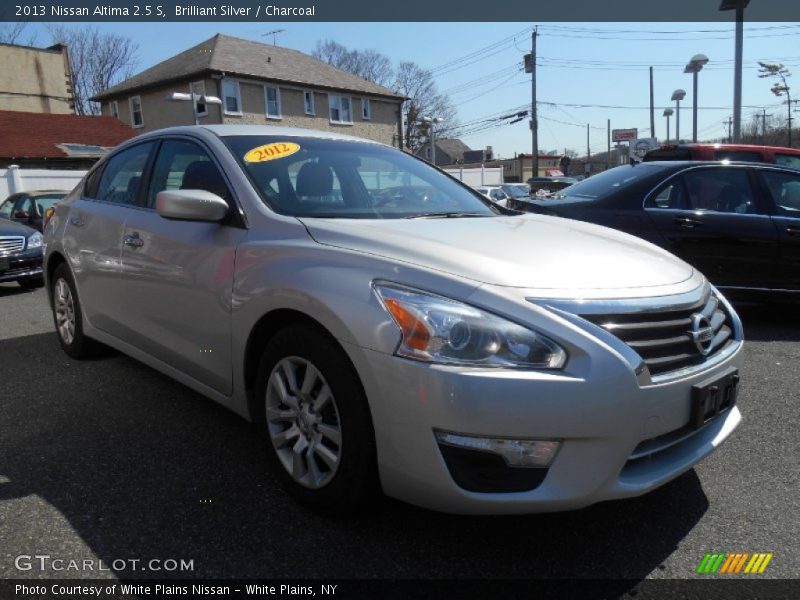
x=722 y=562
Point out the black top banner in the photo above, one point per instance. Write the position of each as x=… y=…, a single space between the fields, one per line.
x=395 y=10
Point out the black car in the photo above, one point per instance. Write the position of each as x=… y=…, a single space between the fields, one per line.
x=738 y=223
x=29 y=208
x=20 y=255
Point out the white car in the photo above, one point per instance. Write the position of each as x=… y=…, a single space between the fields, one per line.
x=494 y=193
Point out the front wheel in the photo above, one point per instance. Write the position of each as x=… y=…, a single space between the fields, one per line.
x=311 y=408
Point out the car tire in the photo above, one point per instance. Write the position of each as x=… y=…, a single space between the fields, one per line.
x=31 y=283
x=311 y=409
x=68 y=318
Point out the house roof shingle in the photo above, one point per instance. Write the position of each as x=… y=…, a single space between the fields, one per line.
x=235 y=56
x=37 y=135
x=453 y=147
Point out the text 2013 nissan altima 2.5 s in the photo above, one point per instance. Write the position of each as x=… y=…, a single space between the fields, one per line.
x=431 y=345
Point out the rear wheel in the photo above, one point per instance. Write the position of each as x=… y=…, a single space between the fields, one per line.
x=68 y=318
x=311 y=409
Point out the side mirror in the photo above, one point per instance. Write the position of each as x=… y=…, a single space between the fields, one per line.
x=191 y=205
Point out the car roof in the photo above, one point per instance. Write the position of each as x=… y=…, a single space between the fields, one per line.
x=728 y=147
x=270 y=130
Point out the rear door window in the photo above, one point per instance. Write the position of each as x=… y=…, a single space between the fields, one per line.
x=122 y=176
x=672 y=196
x=725 y=190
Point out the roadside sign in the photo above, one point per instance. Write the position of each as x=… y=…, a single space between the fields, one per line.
x=624 y=135
x=642 y=146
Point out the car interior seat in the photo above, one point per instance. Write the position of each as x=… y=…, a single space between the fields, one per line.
x=203 y=175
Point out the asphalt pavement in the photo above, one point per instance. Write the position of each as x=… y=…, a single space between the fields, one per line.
x=108 y=459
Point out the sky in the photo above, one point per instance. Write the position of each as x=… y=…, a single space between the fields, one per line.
x=587 y=73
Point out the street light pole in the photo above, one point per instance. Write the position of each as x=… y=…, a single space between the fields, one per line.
x=193 y=98
x=667 y=113
x=432 y=122
x=677 y=96
x=694 y=66
x=738 y=6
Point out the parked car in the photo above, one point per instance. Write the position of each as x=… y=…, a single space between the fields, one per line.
x=738 y=223
x=495 y=193
x=29 y=208
x=549 y=185
x=517 y=190
x=391 y=345
x=20 y=255
x=788 y=157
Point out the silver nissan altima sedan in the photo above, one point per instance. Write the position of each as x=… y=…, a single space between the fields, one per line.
x=387 y=328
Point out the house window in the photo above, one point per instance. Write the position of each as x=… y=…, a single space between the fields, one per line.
x=114 y=108
x=232 y=99
x=366 y=109
x=199 y=89
x=308 y=100
x=272 y=96
x=340 y=109
x=137 y=116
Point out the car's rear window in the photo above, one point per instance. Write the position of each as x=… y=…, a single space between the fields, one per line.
x=787 y=160
x=609 y=181
x=313 y=177
x=743 y=155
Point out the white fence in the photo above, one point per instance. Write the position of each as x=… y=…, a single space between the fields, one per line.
x=14 y=179
x=478 y=176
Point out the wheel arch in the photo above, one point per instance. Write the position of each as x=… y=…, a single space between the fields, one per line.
x=265 y=329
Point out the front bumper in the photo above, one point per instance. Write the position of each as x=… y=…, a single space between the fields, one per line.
x=23 y=265
x=602 y=418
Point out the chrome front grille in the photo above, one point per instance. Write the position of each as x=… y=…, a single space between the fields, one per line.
x=670 y=340
x=11 y=244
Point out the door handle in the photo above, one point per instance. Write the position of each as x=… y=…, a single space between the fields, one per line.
x=76 y=221
x=687 y=222
x=134 y=241
x=793 y=231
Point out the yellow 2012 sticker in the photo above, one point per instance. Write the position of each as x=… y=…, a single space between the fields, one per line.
x=271 y=152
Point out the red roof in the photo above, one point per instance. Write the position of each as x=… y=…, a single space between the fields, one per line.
x=35 y=135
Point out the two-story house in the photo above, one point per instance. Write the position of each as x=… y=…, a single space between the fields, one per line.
x=259 y=84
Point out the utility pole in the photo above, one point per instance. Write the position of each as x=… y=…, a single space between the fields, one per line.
x=608 y=135
x=729 y=122
x=588 y=152
x=534 y=115
x=652 y=108
x=764 y=116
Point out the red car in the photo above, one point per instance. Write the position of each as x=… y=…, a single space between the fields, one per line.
x=787 y=157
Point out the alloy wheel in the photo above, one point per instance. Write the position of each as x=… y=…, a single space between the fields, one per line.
x=303 y=422
x=64 y=307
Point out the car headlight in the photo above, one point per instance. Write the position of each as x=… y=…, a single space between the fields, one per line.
x=35 y=241
x=439 y=330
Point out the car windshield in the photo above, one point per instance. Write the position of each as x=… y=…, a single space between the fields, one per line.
x=517 y=191
x=45 y=202
x=312 y=177
x=608 y=181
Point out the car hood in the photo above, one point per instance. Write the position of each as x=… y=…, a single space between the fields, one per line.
x=11 y=228
x=527 y=251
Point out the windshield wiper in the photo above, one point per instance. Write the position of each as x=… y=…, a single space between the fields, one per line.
x=445 y=215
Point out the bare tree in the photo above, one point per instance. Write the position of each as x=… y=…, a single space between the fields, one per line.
x=424 y=100
x=98 y=61
x=779 y=89
x=367 y=64
x=12 y=34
